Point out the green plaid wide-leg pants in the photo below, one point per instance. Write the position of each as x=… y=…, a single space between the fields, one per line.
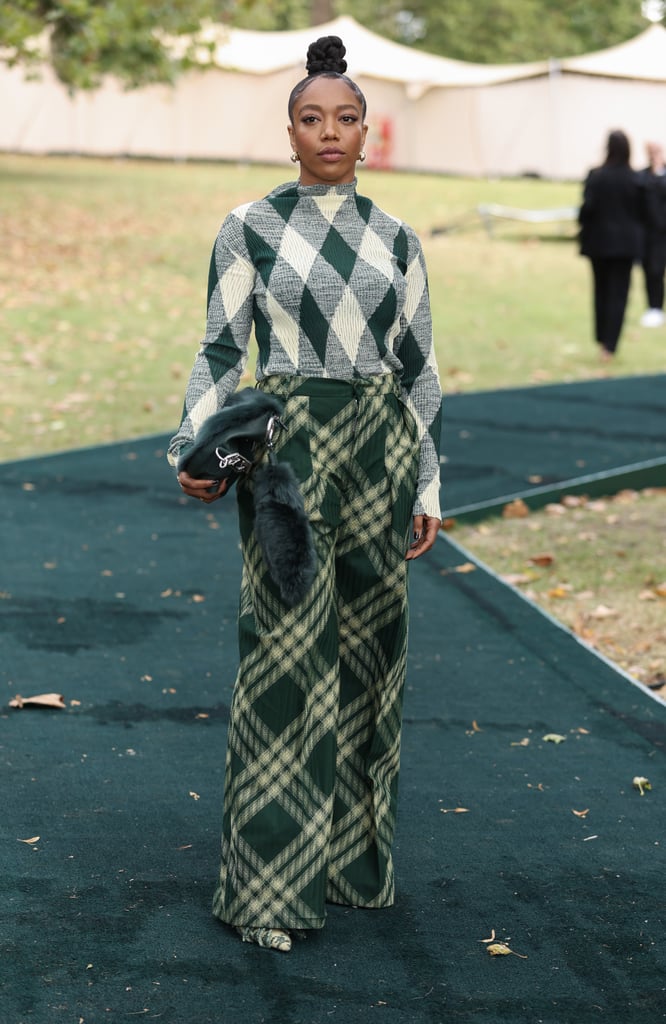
x=314 y=736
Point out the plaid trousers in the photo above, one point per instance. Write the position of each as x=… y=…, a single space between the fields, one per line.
x=314 y=735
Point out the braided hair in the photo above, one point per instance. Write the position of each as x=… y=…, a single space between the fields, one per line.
x=325 y=58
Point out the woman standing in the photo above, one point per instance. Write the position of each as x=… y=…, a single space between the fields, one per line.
x=337 y=293
x=611 y=236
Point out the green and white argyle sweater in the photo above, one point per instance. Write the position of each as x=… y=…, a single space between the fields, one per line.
x=333 y=287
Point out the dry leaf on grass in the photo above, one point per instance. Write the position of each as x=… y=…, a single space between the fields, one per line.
x=544 y=559
x=602 y=611
x=43 y=700
x=515 y=509
x=515 y=579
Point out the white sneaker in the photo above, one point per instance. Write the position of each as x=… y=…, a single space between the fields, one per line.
x=652 y=318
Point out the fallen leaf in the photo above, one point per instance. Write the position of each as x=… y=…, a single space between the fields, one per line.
x=544 y=559
x=195 y=796
x=46 y=700
x=30 y=841
x=554 y=737
x=492 y=936
x=641 y=783
x=660 y=589
x=581 y=814
x=501 y=949
x=559 y=592
x=602 y=611
x=515 y=579
x=515 y=509
x=521 y=743
x=454 y=810
x=465 y=567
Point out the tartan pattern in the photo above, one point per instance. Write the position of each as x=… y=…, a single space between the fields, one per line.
x=314 y=737
x=332 y=287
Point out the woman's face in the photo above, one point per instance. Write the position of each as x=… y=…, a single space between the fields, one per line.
x=327 y=132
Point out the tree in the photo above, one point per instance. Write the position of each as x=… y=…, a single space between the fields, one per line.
x=501 y=31
x=90 y=38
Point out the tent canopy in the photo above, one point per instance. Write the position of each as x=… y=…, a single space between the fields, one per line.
x=643 y=57
x=368 y=55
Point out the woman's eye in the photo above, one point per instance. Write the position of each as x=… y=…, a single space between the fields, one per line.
x=349 y=119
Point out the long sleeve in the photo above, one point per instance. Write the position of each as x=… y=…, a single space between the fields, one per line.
x=223 y=353
x=415 y=349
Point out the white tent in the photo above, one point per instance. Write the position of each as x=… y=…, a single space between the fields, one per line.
x=426 y=113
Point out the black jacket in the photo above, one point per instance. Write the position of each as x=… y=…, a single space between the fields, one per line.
x=612 y=214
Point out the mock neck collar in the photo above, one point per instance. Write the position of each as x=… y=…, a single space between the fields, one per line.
x=346 y=188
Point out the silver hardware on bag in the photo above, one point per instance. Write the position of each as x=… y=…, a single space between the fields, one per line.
x=233 y=461
x=273 y=427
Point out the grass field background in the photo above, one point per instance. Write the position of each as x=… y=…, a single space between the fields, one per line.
x=103 y=273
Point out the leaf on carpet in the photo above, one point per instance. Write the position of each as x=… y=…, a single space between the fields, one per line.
x=45 y=700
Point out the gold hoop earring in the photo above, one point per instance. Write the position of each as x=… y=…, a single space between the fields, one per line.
x=294 y=157
x=361 y=156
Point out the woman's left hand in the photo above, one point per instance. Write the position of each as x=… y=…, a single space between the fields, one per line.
x=426 y=529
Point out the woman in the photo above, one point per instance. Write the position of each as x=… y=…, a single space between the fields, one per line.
x=611 y=236
x=337 y=292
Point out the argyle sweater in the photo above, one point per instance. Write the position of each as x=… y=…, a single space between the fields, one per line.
x=333 y=287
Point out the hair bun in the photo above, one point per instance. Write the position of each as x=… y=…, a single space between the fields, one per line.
x=326 y=54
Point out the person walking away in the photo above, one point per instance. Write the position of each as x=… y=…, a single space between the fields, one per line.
x=611 y=237
x=654 y=251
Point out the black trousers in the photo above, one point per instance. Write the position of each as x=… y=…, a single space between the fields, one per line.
x=612 y=278
x=654 y=286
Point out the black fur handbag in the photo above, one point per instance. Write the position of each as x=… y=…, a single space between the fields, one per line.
x=231 y=444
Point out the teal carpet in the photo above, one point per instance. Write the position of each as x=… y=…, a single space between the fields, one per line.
x=121 y=595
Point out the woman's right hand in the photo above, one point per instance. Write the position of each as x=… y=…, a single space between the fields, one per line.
x=201 y=489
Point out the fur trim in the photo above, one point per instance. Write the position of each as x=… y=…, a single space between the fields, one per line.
x=236 y=427
x=283 y=531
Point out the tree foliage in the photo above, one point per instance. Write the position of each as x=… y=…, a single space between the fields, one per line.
x=91 y=38
x=501 y=31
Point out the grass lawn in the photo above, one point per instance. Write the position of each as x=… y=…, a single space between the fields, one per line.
x=103 y=272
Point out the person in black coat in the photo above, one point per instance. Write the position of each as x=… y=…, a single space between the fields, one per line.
x=611 y=236
x=654 y=253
